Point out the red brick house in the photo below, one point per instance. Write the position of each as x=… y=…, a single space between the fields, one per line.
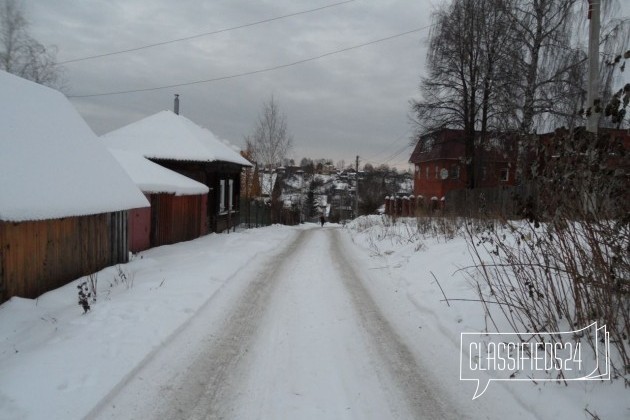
x=440 y=164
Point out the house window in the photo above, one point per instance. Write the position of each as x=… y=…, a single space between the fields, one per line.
x=222 y=196
x=231 y=195
x=417 y=168
x=504 y=174
x=454 y=173
x=437 y=172
x=428 y=144
x=427 y=172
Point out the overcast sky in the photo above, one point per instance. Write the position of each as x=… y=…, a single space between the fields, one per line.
x=340 y=106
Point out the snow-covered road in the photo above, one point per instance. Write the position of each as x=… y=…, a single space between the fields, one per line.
x=297 y=336
x=284 y=322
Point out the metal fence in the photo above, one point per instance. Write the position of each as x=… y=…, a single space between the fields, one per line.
x=255 y=213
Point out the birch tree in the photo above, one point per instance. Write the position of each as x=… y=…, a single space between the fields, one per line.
x=271 y=140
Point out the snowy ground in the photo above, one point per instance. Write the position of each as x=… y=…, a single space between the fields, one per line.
x=278 y=322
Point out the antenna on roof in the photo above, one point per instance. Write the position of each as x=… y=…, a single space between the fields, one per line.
x=176 y=107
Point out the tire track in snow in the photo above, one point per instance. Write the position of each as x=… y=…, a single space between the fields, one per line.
x=205 y=375
x=222 y=358
x=209 y=380
x=399 y=361
x=325 y=350
x=311 y=358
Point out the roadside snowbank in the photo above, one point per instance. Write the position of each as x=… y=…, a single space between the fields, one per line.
x=412 y=269
x=56 y=363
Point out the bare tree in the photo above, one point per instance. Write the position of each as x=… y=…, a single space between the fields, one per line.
x=467 y=52
x=615 y=54
x=542 y=55
x=19 y=53
x=270 y=140
x=509 y=65
x=552 y=65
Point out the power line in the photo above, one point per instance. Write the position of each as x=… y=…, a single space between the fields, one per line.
x=387 y=148
x=392 y=156
x=246 y=25
x=397 y=153
x=249 y=73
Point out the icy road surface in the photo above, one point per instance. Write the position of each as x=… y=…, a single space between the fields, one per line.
x=295 y=337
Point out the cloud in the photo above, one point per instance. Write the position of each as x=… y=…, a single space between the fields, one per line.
x=337 y=107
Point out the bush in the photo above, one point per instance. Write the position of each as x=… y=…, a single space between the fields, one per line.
x=568 y=265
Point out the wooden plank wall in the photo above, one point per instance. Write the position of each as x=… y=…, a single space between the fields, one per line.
x=210 y=174
x=119 y=236
x=176 y=218
x=139 y=229
x=38 y=256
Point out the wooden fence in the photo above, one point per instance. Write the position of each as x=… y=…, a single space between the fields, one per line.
x=177 y=218
x=38 y=256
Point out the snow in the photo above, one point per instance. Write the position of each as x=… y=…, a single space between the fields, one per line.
x=400 y=266
x=69 y=361
x=153 y=178
x=166 y=135
x=52 y=165
x=295 y=181
x=267 y=182
x=317 y=378
x=309 y=354
x=405 y=186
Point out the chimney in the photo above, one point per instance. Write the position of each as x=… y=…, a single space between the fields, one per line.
x=176 y=104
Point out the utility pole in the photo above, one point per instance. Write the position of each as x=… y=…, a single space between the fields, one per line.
x=356 y=189
x=592 y=96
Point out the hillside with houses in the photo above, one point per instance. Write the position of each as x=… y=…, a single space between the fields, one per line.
x=295 y=194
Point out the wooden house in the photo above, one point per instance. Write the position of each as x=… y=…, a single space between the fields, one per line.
x=176 y=143
x=63 y=197
x=178 y=204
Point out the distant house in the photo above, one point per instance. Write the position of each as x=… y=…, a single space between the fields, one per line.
x=63 y=197
x=178 y=204
x=180 y=145
x=440 y=164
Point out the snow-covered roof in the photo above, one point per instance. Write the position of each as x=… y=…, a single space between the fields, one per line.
x=153 y=178
x=166 y=135
x=52 y=165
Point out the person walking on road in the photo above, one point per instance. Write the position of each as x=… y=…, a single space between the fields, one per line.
x=322 y=220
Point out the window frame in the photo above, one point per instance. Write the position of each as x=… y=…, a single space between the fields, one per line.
x=222 y=209
x=505 y=178
x=230 y=195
